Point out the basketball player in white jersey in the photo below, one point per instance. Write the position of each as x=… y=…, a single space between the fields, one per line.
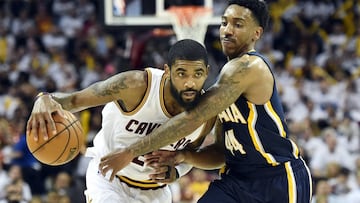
x=136 y=103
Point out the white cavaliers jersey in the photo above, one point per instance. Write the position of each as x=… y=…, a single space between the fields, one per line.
x=120 y=129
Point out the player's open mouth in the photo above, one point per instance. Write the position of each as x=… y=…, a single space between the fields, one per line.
x=188 y=95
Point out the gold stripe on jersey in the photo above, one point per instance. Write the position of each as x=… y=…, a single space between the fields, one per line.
x=254 y=136
x=275 y=117
x=222 y=170
x=291 y=183
x=149 y=79
x=295 y=149
x=144 y=185
x=270 y=110
x=162 y=101
x=309 y=175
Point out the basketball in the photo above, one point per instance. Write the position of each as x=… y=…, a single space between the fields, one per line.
x=62 y=147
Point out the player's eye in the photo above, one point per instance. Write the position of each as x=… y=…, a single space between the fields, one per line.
x=180 y=74
x=198 y=74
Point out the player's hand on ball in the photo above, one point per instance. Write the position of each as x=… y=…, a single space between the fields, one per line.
x=115 y=161
x=41 y=121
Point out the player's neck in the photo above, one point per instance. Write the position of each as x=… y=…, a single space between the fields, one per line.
x=241 y=54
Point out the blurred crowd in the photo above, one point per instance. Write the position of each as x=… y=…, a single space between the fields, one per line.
x=63 y=45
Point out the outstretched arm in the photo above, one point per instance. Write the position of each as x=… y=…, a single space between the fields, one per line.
x=119 y=87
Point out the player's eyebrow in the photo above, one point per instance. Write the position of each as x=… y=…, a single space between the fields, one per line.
x=233 y=18
x=196 y=70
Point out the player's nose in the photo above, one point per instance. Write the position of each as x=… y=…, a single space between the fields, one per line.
x=189 y=84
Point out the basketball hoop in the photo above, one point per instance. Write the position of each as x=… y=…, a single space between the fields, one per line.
x=190 y=22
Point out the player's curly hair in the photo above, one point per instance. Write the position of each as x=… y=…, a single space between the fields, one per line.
x=258 y=8
x=187 y=49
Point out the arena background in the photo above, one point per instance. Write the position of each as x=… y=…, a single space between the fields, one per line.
x=63 y=45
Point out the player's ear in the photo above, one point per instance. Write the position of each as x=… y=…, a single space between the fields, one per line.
x=258 y=32
x=167 y=69
x=207 y=69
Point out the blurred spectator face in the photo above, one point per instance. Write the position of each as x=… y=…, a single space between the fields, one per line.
x=14 y=193
x=323 y=188
x=330 y=139
x=63 y=181
x=15 y=173
x=53 y=197
x=332 y=169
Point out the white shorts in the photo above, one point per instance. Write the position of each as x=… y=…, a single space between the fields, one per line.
x=100 y=190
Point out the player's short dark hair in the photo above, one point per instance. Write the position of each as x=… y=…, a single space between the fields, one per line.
x=187 y=49
x=258 y=8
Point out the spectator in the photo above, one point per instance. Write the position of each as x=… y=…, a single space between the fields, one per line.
x=17 y=190
x=333 y=152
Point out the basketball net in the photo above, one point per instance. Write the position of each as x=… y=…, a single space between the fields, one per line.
x=190 y=22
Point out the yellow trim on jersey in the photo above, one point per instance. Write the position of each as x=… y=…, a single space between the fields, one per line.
x=254 y=136
x=309 y=175
x=161 y=95
x=222 y=170
x=144 y=184
x=270 y=110
x=130 y=113
x=291 y=183
x=296 y=151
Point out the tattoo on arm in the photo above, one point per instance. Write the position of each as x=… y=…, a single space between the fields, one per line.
x=109 y=87
x=64 y=99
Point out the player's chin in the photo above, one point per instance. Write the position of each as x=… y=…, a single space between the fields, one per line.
x=228 y=51
x=190 y=106
x=188 y=100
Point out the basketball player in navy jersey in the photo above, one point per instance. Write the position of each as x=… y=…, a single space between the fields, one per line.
x=262 y=164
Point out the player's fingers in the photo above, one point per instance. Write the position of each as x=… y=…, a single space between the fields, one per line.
x=50 y=124
x=163 y=175
x=154 y=165
x=151 y=160
x=163 y=153
x=161 y=169
x=157 y=177
x=102 y=167
x=62 y=113
x=34 y=129
x=150 y=156
x=151 y=164
x=112 y=175
x=43 y=129
x=29 y=126
x=167 y=160
x=105 y=158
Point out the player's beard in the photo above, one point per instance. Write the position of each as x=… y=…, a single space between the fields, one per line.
x=185 y=104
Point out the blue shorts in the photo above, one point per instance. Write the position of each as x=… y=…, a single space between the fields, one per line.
x=290 y=183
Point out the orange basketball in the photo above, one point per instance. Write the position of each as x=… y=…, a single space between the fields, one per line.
x=62 y=147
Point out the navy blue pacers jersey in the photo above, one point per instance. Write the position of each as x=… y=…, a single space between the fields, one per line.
x=262 y=163
x=256 y=136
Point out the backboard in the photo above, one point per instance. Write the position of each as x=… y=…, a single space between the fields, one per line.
x=132 y=13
